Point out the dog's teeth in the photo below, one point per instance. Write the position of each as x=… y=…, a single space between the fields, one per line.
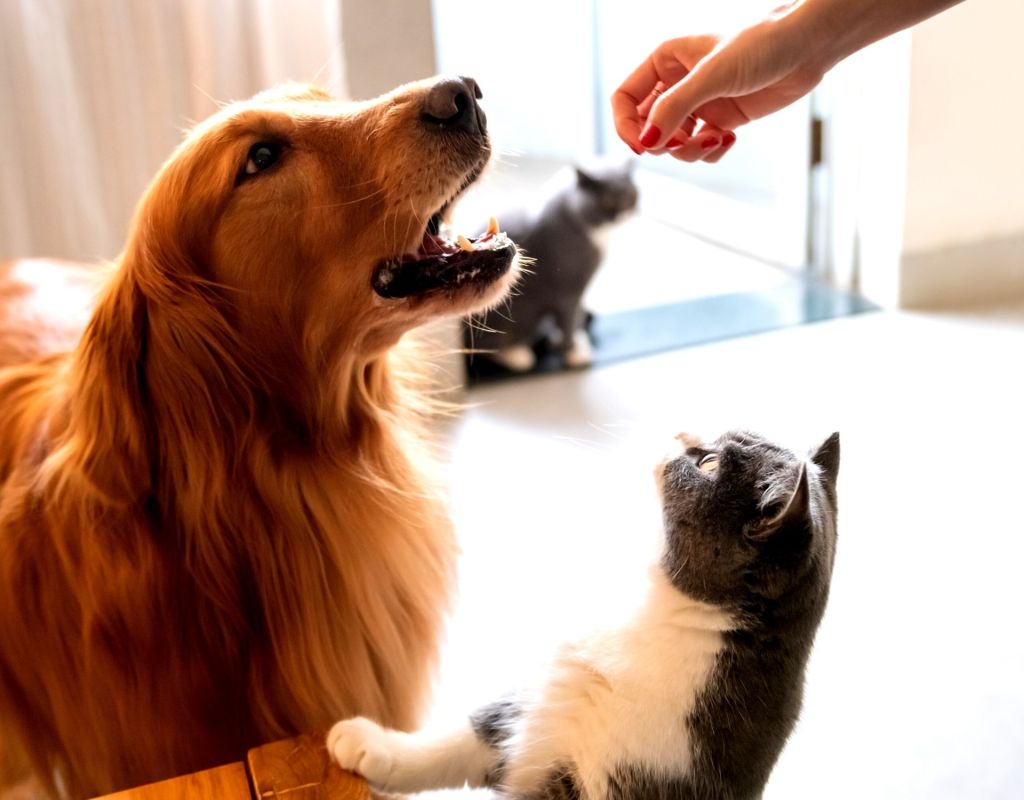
x=464 y=243
x=492 y=225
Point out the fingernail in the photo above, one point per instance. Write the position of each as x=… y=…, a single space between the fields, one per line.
x=707 y=144
x=636 y=150
x=650 y=135
x=673 y=143
x=728 y=139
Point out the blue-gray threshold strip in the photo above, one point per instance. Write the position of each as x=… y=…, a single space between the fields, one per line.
x=646 y=331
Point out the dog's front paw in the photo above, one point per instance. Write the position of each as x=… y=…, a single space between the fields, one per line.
x=363 y=746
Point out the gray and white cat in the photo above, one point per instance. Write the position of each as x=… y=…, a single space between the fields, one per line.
x=564 y=235
x=695 y=697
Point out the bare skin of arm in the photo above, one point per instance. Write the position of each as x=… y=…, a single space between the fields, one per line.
x=689 y=95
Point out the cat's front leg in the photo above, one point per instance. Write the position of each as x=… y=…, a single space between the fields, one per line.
x=580 y=353
x=393 y=761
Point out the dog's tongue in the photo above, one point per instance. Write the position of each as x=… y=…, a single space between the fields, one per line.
x=435 y=245
x=438 y=245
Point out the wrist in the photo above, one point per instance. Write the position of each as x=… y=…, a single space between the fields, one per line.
x=839 y=28
x=830 y=30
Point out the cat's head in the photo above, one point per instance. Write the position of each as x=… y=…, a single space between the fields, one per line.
x=606 y=191
x=747 y=521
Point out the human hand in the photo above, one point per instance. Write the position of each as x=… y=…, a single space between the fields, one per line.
x=717 y=85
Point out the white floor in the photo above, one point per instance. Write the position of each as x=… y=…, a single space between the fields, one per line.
x=916 y=685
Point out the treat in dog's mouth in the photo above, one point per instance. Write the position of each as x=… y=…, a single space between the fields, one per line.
x=442 y=264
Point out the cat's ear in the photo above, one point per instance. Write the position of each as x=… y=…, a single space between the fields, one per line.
x=779 y=509
x=827 y=457
x=585 y=180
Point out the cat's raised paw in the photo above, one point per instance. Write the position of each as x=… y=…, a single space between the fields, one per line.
x=362 y=746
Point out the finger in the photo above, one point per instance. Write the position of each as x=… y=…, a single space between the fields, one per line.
x=627 y=123
x=669 y=63
x=728 y=140
x=685 y=131
x=701 y=85
x=627 y=99
x=678 y=138
x=645 y=106
x=699 y=146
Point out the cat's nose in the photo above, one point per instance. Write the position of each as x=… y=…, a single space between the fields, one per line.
x=451 y=105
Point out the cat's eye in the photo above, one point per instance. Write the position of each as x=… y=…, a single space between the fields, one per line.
x=262 y=155
x=708 y=462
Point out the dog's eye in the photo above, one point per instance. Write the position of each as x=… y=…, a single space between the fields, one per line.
x=261 y=156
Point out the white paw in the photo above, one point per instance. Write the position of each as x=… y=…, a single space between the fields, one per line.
x=581 y=353
x=363 y=746
x=518 y=359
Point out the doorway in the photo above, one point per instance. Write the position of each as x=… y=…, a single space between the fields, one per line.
x=726 y=244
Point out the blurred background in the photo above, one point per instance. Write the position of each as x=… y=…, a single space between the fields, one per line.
x=878 y=190
x=887 y=209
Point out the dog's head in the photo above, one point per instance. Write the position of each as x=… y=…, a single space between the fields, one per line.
x=322 y=218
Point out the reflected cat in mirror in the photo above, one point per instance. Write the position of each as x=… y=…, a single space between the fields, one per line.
x=696 y=696
x=564 y=235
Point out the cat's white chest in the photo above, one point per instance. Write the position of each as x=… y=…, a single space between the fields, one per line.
x=623 y=698
x=600 y=236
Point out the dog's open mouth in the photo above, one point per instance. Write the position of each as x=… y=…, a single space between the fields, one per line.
x=443 y=265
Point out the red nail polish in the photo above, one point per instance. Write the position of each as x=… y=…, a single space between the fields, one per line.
x=636 y=150
x=650 y=136
x=728 y=139
x=674 y=142
x=707 y=144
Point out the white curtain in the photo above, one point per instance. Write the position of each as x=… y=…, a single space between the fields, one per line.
x=95 y=94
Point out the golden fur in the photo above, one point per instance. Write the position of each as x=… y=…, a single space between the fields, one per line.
x=215 y=525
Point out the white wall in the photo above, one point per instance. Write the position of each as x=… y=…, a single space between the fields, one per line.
x=533 y=60
x=866 y=147
x=929 y=174
x=386 y=43
x=965 y=163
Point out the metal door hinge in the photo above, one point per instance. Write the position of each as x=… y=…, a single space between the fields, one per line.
x=817 y=141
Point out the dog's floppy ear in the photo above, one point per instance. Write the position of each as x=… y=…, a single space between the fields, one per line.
x=174 y=226
x=108 y=398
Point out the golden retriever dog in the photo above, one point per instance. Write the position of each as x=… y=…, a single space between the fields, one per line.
x=217 y=521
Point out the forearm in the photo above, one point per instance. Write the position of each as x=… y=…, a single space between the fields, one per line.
x=842 y=27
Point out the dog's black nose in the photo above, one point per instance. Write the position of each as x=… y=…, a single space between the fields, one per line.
x=451 y=103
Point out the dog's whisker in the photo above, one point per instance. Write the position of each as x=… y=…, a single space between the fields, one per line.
x=334 y=56
x=349 y=202
x=217 y=104
x=588 y=444
x=476 y=323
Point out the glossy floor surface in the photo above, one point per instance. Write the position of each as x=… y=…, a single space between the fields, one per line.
x=916 y=684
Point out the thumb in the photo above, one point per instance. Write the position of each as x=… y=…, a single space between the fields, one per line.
x=700 y=86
